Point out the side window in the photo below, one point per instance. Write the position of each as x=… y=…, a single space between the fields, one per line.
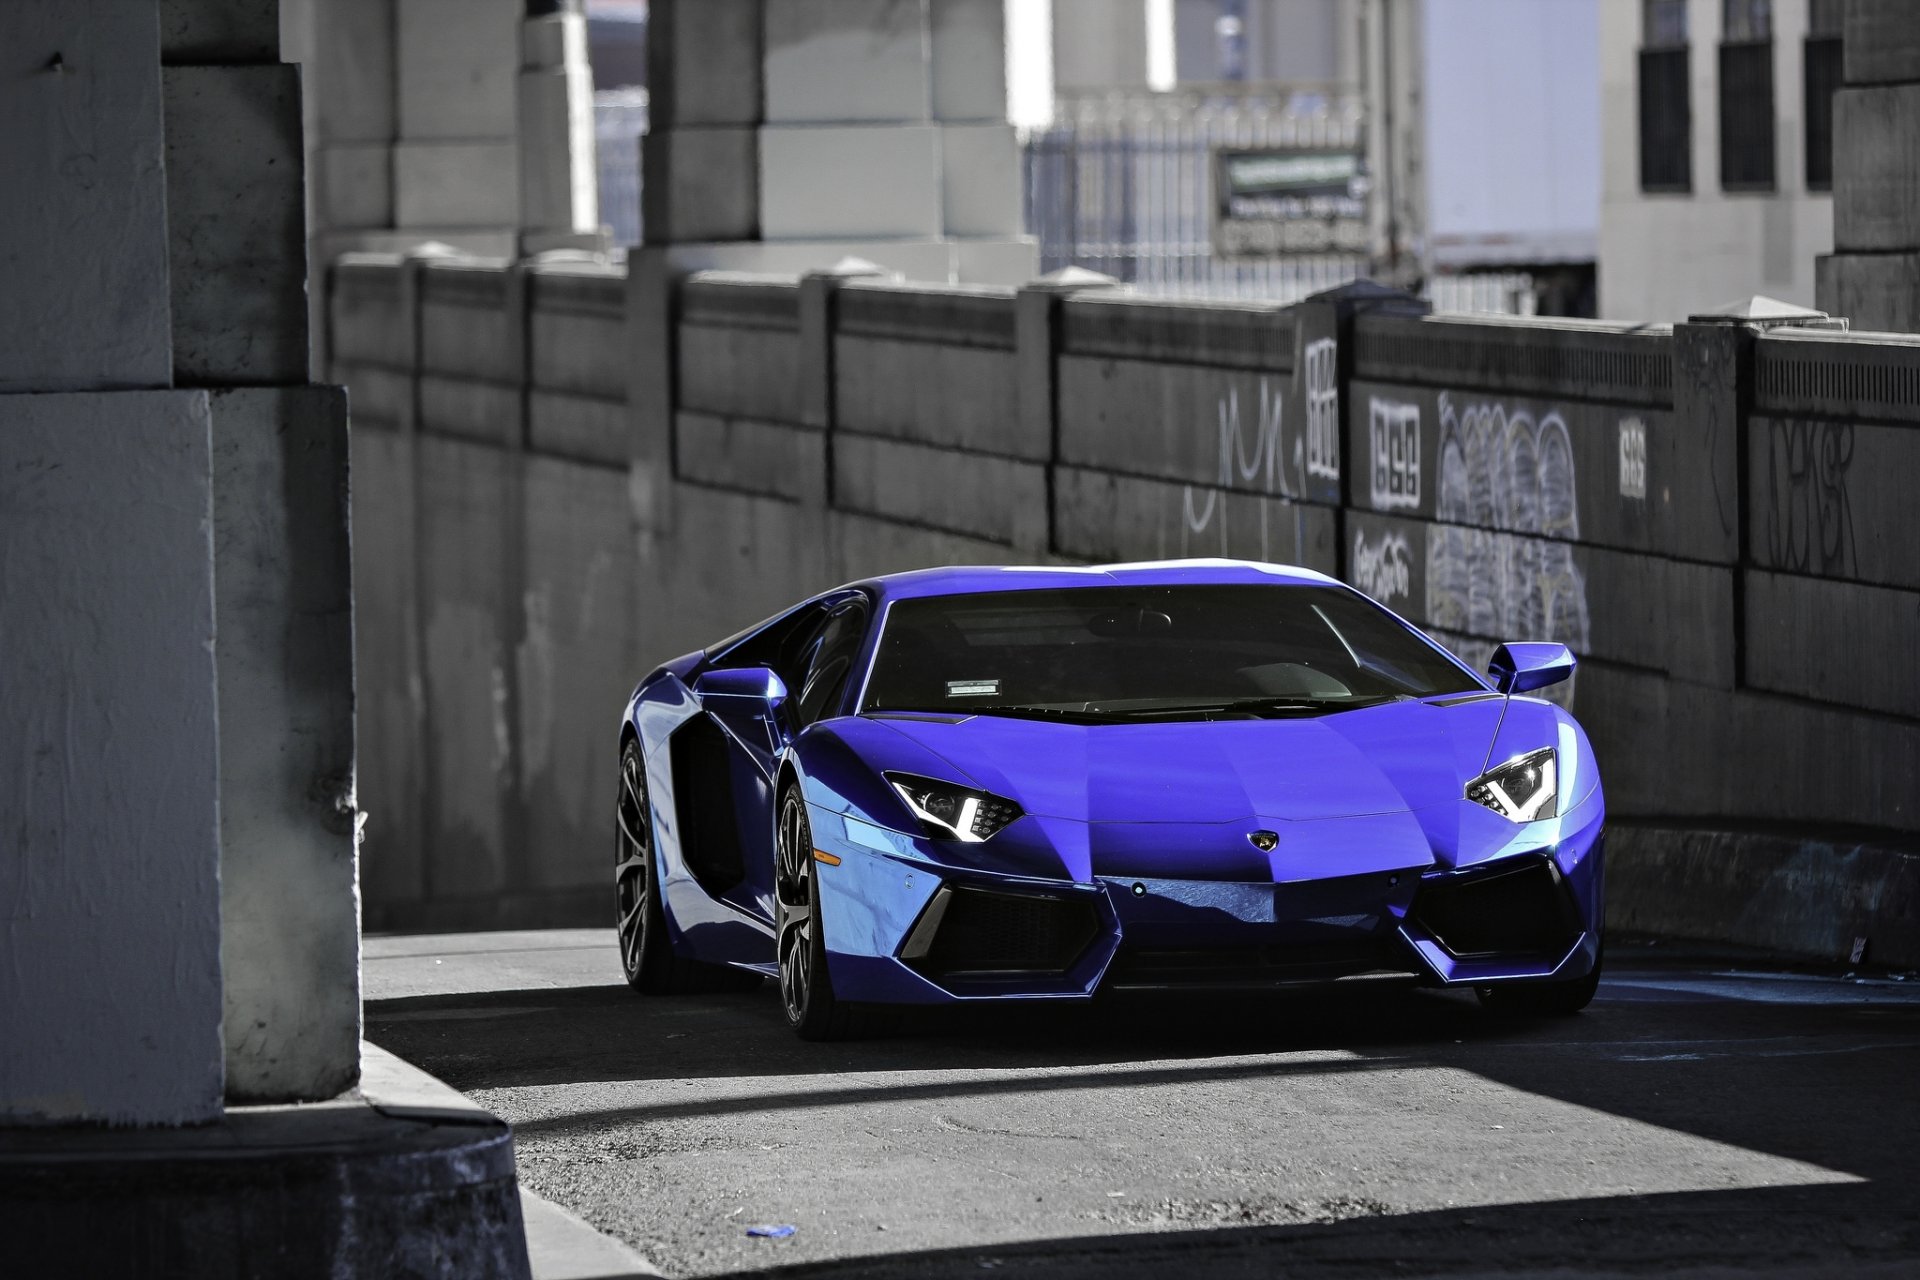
x=785 y=646
x=833 y=661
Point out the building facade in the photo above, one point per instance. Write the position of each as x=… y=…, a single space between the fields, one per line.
x=1718 y=151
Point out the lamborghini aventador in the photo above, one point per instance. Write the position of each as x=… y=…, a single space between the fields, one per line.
x=978 y=784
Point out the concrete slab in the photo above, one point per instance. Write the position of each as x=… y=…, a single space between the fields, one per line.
x=236 y=224
x=457 y=64
x=219 y=31
x=980 y=181
x=111 y=995
x=703 y=63
x=700 y=183
x=83 y=158
x=465 y=184
x=1876 y=203
x=834 y=61
x=807 y=170
x=969 y=59
x=289 y=885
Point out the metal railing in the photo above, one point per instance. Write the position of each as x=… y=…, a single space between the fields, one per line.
x=1122 y=184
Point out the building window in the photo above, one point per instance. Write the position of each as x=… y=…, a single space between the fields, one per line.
x=1746 y=95
x=1820 y=65
x=1666 y=102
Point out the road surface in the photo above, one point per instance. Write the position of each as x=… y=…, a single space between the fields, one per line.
x=1697 y=1120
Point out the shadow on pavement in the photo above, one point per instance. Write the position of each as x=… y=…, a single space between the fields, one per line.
x=1854 y=1230
x=1827 y=1084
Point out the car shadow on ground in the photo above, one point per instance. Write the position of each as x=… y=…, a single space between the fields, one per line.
x=1826 y=1084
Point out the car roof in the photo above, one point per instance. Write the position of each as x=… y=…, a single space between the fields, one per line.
x=956 y=580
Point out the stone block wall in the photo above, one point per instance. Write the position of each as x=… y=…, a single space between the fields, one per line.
x=577 y=476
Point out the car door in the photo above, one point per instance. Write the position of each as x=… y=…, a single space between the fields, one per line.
x=737 y=773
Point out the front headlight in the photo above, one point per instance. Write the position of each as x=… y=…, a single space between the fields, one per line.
x=1523 y=789
x=948 y=811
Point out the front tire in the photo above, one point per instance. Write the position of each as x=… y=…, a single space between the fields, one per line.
x=806 y=986
x=647 y=958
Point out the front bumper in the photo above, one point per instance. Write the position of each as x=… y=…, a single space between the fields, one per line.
x=902 y=927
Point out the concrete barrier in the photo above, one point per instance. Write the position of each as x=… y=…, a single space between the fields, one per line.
x=578 y=476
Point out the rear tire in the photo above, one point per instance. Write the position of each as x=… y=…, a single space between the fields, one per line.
x=647 y=958
x=806 y=986
x=1542 y=999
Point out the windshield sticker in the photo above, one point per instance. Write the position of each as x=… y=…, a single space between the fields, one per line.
x=972 y=688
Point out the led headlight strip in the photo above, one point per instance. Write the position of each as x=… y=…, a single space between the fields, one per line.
x=1523 y=789
x=948 y=811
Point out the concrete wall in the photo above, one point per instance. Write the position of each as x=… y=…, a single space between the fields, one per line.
x=1664 y=257
x=1698 y=512
x=1874 y=272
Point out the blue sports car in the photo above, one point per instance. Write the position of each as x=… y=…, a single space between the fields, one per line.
x=972 y=784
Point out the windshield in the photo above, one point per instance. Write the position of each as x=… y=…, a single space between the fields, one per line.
x=1106 y=654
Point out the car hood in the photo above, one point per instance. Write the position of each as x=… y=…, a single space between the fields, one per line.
x=1375 y=760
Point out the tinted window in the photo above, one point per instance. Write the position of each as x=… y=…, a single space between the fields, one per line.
x=832 y=661
x=1119 y=653
x=787 y=645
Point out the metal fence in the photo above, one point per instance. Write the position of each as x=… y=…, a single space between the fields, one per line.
x=1122 y=184
x=619 y=121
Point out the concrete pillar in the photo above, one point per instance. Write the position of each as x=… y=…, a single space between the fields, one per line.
x=111 y=995
x=1036 y=341
x=1873 y=275
x=787 y=136
x=559 y=206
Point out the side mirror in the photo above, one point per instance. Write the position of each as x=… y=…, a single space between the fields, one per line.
x=1523 y=666
x=742 y=682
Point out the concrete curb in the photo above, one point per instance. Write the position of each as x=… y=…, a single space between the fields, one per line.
x=409 y=1187
x=561 y=1246
x=1785 y=894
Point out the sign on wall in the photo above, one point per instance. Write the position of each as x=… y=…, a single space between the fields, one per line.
x=1279 y=200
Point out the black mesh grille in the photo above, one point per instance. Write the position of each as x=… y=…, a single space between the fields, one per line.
x=1519 y=911
x=984 y=932
x=1229 y=967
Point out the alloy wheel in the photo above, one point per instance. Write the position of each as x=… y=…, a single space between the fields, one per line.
x=795 y=896
x=633 y=864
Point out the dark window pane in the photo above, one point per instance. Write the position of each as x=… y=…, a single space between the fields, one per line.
x=1746 y=117
x=1822 y=71
x=1663 y=24
x=1744 y=21
x=1666 y=121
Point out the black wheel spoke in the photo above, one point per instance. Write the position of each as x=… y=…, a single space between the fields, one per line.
x=633 y=858
x=793 y=893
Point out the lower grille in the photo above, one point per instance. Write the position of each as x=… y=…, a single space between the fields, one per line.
x=1230 y=967
x=1525 y=910
x=967 y=932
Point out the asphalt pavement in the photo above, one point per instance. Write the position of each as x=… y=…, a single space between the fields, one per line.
x=1700 y=1119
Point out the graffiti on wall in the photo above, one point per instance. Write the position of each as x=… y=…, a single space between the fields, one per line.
x=1393 y=432
x=1809 y=515
x=1252 y=455
x=1323 y=410
x=1500 y=468
x=1633 y=459
x=1381 y=567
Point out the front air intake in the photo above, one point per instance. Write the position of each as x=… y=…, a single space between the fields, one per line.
x=979 y=933
x=1524 y=910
